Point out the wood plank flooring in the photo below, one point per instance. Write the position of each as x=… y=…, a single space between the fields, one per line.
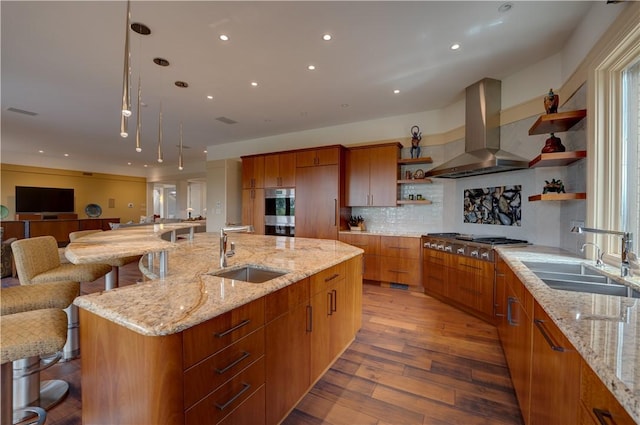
x=415 y=361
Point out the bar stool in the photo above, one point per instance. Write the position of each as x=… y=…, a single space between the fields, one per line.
x=25 y=335
x=27 y=388
x=112 y=279
x=37 y=261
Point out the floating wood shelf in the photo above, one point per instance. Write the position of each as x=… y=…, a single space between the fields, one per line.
x=557 y=197
x=415 y=181
x=557 y=123
x=407 y=161
x=556 y=159
x=422 y=202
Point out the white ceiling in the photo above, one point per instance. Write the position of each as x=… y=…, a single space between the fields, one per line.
x=64 y=61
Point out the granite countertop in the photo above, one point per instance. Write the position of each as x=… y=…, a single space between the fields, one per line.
x=604 y=329
x=190 y=294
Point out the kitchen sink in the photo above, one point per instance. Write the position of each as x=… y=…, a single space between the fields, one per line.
x=579 y=278
x=250 y=273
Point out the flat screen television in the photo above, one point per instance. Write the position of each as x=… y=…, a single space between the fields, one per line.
x=44 y=200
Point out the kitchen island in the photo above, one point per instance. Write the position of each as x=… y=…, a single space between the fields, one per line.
x=603 y=334
x=193 y=347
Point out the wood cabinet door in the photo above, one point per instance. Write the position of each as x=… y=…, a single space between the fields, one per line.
x=597 y=402
x=383 y=176
x=317 y=191
x=321 y=356
x=357 y=178
x=555 y=374
x=371 y=246
x=434 y=272
x=253 y=209
x=272 y=170
x=287 y=361
x=328 y=156
x=353 y=285
x=252 y=172
x=280 y=170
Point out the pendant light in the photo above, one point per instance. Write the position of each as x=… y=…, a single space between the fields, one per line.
x=141 y=29
x=126 y=97
x=180 y=161
x=138 y=119
x=160 y=157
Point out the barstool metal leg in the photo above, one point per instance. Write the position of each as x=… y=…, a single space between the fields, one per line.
x=71 y=348
x=29 y=392
x=111 y=279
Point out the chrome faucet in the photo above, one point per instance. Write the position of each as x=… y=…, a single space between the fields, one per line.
x=599 y=253
x=627 y=239
x=223 y=240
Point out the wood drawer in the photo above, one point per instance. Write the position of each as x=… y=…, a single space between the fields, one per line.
x=369 y=243
x=285 y=299
x=596 y=399
x=400 y=247
x=214 y=371
x=400 y=270
x=227 y=398
x=205 y=339
x=434 y=278
x=322 y=280
x=251 y=411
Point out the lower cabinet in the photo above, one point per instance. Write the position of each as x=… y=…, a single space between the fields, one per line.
x=248 y=366
x=400 y=261
x=555 y=374
x=597 y=404
x=371 y=246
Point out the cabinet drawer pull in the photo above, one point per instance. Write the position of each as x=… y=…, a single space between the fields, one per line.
x=334 y=298
x=471 y=291
x=331 y=277
x=235 y=328
x=540 y=325
x=245 y=388
x=510 y=302
x=602 y=414
x=471 y=267
x=309 y=318
x=399 y=247
x=398 y=271
x=244 y=355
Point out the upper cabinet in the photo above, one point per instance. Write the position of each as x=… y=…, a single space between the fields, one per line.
x=280 y=170
x=372 y=174
x=319 y=156
x=252 y=172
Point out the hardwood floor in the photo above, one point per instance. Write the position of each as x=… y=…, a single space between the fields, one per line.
x=415 y=361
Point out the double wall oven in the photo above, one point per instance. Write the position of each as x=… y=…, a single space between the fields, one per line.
x=280 y=211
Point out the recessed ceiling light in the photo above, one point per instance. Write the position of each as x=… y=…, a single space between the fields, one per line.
x=128 y=163
x=145 y=165
x=66 y=154
x=40 y=151
x=455 y=46
x=345 y=105
x=182 y=84
x=205 y=151
x=311 y=67
x=254 y=84
x=224 y=37
x=326 y=37
x=209 y=97
x=505 y=7
x=396 y=91
x=161 y=61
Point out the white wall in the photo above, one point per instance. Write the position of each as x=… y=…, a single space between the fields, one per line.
x=224 y=197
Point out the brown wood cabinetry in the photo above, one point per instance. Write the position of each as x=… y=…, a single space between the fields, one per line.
x=471 y=284
x=318 y=202
x=329 y=155
x=371 y=246
x=555 y=374
x=253 y=172
x=253 y=209
x=288 y=332
x=280 y=170
x=435 y=272
x=12 y=229
x=515 y=329
x=372 y=174
x=597 y=405
x=400 y=261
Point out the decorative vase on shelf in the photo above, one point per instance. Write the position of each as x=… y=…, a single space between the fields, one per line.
x=553 y=144
x=551 y=102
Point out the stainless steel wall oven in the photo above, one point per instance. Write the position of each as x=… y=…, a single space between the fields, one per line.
x=280 y=212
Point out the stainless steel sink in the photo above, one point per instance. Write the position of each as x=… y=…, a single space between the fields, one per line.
x=579 y=278
x=250 y=273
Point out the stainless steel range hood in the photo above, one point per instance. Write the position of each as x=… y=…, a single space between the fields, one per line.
x=482 y=153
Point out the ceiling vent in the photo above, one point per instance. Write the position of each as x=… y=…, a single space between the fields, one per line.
x=226 y=120
x=22 y=111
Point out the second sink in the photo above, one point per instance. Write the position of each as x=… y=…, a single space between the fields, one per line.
x=250 y=273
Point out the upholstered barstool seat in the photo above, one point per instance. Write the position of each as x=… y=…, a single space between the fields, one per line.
x=29 y=334
x=112 y=279
x=37 y=261
x=16 y=299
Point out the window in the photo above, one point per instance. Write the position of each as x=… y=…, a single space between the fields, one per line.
x=614 y=180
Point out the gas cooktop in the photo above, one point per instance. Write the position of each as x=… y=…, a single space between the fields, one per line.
x=477 y=246
x=481 y=239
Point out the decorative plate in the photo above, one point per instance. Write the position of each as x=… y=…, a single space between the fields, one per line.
x=418 y=174
x=4 y=212
x=93 y=210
